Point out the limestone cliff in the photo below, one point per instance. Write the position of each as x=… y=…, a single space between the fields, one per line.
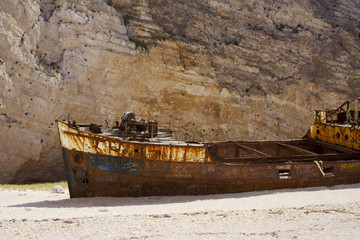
x=222 y=69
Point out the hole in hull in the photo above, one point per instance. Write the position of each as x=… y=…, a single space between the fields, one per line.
x=284 y=174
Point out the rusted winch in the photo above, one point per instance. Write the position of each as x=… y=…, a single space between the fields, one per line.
x=135 y=129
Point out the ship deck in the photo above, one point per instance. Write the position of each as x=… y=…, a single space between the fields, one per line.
x=245 y=152
x=303 y=150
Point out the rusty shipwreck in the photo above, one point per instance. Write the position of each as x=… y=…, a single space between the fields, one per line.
x=138 y=158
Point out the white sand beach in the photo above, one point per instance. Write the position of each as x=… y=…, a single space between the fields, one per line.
x=311 y=213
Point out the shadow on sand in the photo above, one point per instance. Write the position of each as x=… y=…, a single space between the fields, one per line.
x=161 y=200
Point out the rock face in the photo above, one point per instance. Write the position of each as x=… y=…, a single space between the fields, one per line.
x=218 y=69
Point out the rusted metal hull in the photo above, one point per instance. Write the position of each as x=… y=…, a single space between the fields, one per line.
x=104 y=164
x=101 y=175
x=339 y=135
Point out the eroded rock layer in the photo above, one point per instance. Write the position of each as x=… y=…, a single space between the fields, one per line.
x=213 y=70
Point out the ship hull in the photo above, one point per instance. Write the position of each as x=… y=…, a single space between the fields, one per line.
x=135 y=159
x=93 y=175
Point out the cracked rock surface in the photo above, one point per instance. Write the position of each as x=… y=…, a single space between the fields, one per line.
x=223 y=70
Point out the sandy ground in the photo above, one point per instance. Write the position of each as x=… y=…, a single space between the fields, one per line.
x=312 y=213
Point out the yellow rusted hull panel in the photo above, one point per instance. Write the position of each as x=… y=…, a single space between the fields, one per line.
x=339 y=135
x=81 y=141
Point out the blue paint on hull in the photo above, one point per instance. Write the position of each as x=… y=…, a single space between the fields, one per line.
x=69 y=173
x=114 y=164
x=111 y=168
